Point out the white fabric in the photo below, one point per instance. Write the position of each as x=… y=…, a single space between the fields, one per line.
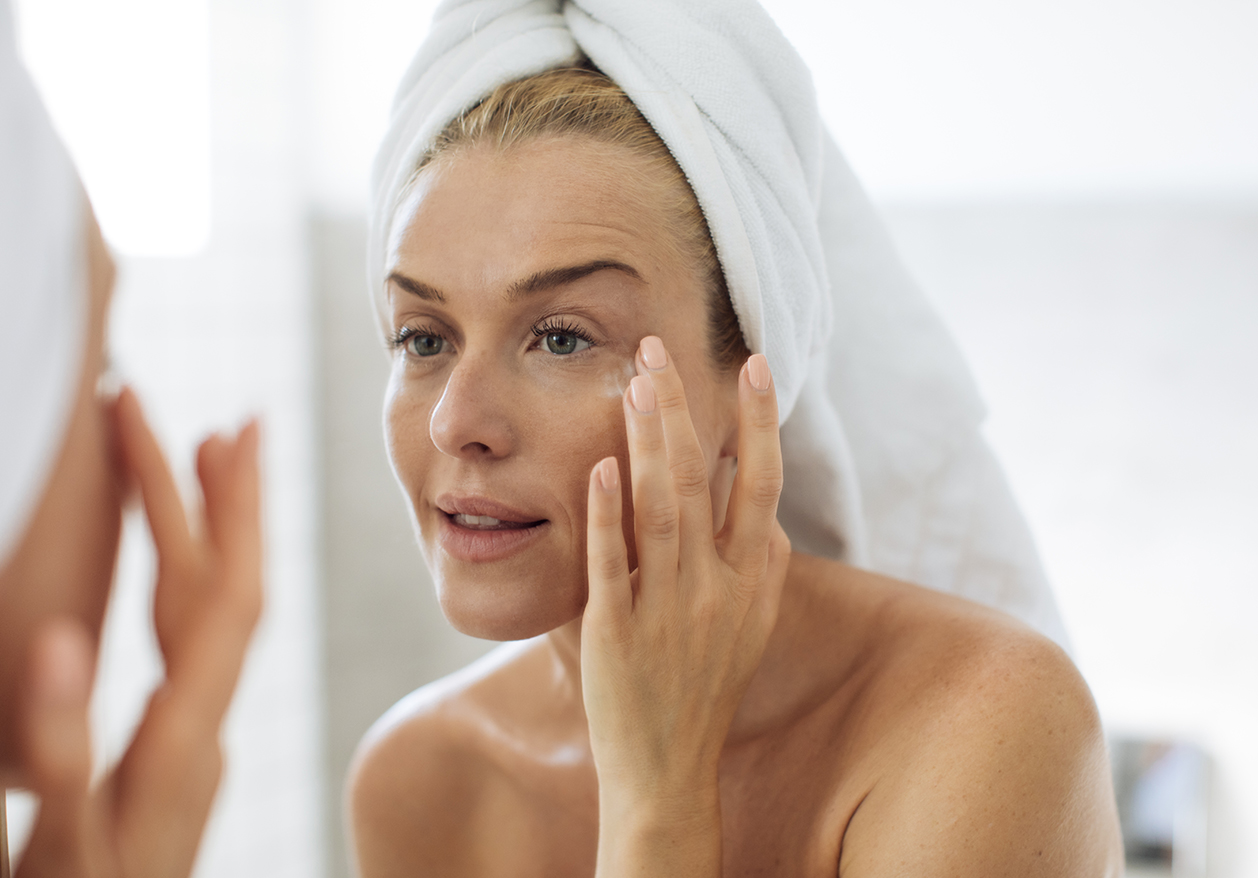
x=885 y=465
x=43 y=303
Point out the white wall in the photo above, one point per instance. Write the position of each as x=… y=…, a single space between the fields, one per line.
x=1115 y=346
x=1071 y=99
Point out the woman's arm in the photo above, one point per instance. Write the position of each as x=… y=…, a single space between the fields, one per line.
x=668 y=650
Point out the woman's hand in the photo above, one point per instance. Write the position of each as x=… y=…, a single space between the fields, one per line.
x=668 y=650
x=146 y=818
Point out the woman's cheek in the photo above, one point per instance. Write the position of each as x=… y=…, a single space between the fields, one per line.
x=407 y=406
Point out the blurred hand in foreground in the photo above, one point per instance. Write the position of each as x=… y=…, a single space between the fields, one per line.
x=146 y=817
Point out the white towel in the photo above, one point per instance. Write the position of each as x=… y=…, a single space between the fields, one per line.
x=43 y=302
x=885 y=464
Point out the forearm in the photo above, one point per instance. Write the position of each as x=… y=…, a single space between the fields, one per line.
x=660 y=836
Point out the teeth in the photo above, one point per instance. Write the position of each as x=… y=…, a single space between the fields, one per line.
x=477 y=520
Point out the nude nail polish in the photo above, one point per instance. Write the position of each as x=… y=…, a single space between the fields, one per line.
x=642 y=394
x=653 y=355
x=758 y=371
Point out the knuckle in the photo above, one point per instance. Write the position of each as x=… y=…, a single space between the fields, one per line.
x=658 y=522
x=765 y=491
x=605 y=517
x=671 y=400
x=690 y=477
x=765 y=416
x=611 y=567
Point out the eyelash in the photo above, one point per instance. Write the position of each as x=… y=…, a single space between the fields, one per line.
x=402 y=335
x=562 y=327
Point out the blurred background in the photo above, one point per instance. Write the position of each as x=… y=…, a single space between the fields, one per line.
x=1075 y=185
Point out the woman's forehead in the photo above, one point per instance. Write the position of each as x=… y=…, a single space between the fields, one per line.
x=529 y=209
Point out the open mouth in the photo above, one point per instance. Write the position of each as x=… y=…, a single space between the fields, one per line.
x=486 y=522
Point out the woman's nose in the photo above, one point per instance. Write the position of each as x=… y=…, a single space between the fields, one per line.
x=472 y=420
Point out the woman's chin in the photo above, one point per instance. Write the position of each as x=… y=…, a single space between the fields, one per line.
x=492 y=612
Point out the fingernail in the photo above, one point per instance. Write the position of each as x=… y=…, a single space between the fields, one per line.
x=642 y=394
x=653 y=353
x=608 y=475
x=758 y=371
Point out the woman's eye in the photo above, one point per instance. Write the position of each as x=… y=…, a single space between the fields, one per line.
x=425 y=345
x=564 y=343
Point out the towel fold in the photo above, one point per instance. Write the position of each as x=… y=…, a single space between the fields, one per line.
x=43 y=301
x=885 y=466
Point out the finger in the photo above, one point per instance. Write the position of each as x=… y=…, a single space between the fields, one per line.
x=752 y=514
x=229 y=477
x=607 y=559
x=162 y=504
x=213 y=650
x=174 y=765
x=655 y=515
x=686 y=464
x=57 y=747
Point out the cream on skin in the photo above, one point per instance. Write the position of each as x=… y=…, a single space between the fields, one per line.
x=517 y=304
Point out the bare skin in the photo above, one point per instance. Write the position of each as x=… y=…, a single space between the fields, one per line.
x=727 y=707
x=145 y=817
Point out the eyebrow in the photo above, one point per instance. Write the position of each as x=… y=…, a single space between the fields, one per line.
x=542 y=280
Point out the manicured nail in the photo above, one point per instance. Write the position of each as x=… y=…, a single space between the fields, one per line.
x=642 y=394
x=653 y=353
x=758 y=371
x=608 y=474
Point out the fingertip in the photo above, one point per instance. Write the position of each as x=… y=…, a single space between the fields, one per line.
x=607 y=475
x=758 y=373
x=60 y=688
x=249 y=442
x=62 y=664
x=642 y=394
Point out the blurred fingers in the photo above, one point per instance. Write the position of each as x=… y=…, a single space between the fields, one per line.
x=57 y=748
x=162 y=503
x=213 y=650
x=230 y=483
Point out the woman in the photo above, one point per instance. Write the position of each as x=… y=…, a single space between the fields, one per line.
x=67 y=457
x=593 y=461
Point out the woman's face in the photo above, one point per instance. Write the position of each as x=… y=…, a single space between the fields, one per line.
x=520 y=285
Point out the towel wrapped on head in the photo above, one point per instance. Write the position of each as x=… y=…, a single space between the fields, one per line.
x=885 y=466
x=43 y=292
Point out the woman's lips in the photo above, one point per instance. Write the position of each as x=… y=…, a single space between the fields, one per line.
x=480 y=543
x=479 y=529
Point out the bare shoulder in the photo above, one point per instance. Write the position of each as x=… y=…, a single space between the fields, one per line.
x=993 y=762
x=423 y=783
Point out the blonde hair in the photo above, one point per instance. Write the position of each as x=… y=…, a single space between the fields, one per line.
x=581 y=101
